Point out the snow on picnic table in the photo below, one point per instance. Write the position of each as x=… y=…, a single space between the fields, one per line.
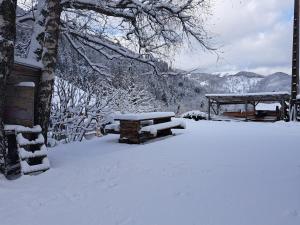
x=216 y=173
x=143 y=116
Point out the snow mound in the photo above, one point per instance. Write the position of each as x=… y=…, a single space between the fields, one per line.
x=195 y=115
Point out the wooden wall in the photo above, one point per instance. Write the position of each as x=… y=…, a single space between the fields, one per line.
x=20 y=100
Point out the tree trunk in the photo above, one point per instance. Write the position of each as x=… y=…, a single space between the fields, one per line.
x=50 y=47
x=37 y=38
x=7 y=39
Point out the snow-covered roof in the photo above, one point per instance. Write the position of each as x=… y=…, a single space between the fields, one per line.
x=143 y=116
x=244 y=97
x=248 y=94
x=28 y=62
x=267 y=107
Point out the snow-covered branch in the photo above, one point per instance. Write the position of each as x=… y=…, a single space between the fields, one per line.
x=153 y=25
x=100 y=68
x=102 y=45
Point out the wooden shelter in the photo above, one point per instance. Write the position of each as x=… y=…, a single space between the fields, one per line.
x=215 y=101
x=21 y=94
x=26 y=151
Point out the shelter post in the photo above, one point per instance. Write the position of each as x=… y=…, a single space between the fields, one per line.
x=295 y=64
x=209 y=106
x=218 y=108
x=246 y=110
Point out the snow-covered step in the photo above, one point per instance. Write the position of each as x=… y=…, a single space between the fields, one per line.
x=29 y=169
x=22 y=129
x=31 y=150
x=24 y=141
x=23 y=154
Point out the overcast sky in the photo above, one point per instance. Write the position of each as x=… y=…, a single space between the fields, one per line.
x=255 y=35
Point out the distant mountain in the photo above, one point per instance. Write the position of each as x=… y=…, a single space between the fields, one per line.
x=189 y=89
x=181 y=92
x=241 y=82
x=274 y=82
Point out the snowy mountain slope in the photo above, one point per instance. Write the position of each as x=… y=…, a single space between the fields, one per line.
x=274 y=82
x=185 y=179
x=242 y=82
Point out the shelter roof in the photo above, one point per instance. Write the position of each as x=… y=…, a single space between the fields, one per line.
x=254 y=97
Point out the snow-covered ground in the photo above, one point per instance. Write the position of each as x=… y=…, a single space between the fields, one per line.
x=212 y=173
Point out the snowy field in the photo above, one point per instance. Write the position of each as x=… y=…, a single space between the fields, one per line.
x=212 y=173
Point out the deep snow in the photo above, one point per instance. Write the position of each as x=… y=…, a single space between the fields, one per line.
x=212 y=173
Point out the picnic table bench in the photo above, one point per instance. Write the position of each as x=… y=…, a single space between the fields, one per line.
x=137 y=128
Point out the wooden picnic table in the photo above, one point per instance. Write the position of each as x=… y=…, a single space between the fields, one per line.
x=136 y=128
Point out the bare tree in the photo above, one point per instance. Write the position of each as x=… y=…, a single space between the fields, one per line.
x=7 y=39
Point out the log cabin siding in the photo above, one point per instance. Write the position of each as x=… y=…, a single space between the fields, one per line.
x=20 y=101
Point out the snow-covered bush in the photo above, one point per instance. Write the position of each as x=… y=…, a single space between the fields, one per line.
x=76 y=111
x=87 y=105
x=195 y=115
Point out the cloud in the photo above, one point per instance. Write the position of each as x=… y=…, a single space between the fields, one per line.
x=254 y=35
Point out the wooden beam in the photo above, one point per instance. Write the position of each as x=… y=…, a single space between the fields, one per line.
x=254 y=106
x=208 y=111
x=246 y=111
x=218 y=108
x=295 y=62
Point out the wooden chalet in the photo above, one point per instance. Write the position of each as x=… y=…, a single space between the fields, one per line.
x=250 y=101
x=26 y=150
